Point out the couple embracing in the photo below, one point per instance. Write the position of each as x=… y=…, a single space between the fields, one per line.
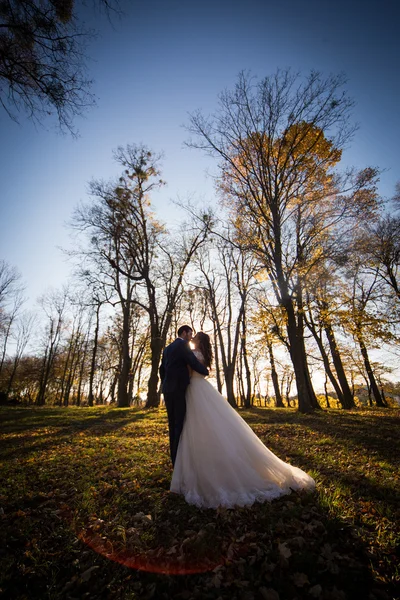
x=218 y=460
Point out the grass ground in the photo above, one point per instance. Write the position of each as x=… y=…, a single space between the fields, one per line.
x=85 y=511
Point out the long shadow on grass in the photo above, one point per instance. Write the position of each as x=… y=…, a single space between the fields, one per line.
x=374 y=436
x=360 y=435
x=34 y=423
x=291 y=545
x=13 y=420
x=359 y=485
x=377 y=433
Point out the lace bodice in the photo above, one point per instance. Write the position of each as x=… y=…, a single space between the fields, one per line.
x=200 y=358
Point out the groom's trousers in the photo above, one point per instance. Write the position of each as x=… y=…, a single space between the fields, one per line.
x=175 y=404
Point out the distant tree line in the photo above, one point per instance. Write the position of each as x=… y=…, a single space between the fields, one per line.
x=294 y=273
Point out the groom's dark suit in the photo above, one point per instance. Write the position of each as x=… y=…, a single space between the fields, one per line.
x=175 y=378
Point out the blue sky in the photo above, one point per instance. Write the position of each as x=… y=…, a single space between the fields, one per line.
x=163 y=60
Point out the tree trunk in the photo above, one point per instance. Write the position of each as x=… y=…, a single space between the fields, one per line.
x=239 y=384
x=123 y=380
x=289 y=381
x=266 y=395
x=48 y=361
x=94 y=355
x=12 y=375
x=229 y=373
x=137 y=367
x=247 y=397
x=216 y=362
x=82 y=368
x=348 y=398
x=326 y=391
x=64 y=375
x=40 y=398
x=130 y=387
x=153 y=392
x=370 y=373
x=306 y=396
x=139 y=382
x=393 y=280
x=327 y=365
x=44 y=381
x=113 y=387
x=72 y=370
x=134 y=364
x=274 y=377
x=5 y=342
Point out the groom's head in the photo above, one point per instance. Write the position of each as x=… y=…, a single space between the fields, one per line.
x=185 y=332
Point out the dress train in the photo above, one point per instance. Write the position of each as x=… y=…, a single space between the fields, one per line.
x=221 y=461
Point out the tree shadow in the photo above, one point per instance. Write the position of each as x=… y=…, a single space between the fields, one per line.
x=296 y=545
x=380 y=437
x=28 y=429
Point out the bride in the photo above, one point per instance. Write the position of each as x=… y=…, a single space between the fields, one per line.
x=220 y=460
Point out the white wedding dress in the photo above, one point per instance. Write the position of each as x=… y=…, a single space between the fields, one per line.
x=221 y=461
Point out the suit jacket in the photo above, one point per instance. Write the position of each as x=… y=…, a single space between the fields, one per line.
x=174 y=370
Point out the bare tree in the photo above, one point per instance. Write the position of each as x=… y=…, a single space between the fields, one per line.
x=9 y=282
x=74 y=349
x=43 y=59
x=364 y=317
x=54 y=305
x=83 y=362
x=382 y=248
x=25 y=325
x=137 y=256
x=278 y=141
x=396 y=197
x=140 y=344
x=270 y=322
x=11 y=301
x=98 y=302
x=323 y=302
x=110 y=221
x=228 y=275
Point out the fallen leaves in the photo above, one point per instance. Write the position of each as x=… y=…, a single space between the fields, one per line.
x=269 y=594
x=300 y=579
x=86 y=575
x=284 y=551
x=315 y=591
x=86 y=495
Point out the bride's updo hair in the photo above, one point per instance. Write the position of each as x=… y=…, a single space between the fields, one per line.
x=202 y=342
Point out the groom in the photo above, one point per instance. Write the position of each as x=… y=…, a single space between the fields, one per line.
x=175 y=378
